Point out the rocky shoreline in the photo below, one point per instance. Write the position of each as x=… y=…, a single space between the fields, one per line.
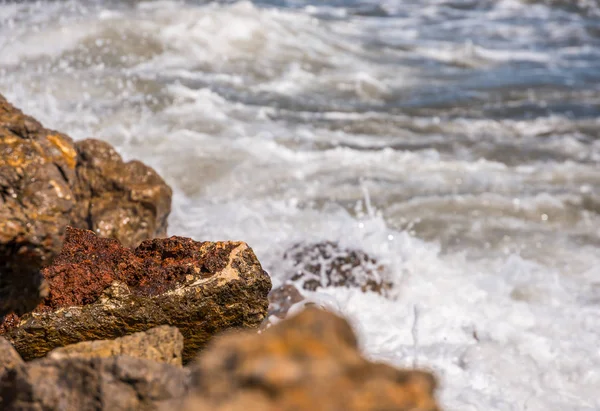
x=98 y=311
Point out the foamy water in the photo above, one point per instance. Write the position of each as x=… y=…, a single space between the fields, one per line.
x=458 y=142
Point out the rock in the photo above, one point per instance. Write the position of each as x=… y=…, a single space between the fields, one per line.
x=91 y=384
x=48 y=182
x=9 y=360
x=9 y=357
x=37 y=169
x=282 y=298
x=308 y=362
x=160 y=344
x=327 y=264
x=126 y=201
x=101 y=290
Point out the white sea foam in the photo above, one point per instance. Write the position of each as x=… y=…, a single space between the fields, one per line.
x=420 y=138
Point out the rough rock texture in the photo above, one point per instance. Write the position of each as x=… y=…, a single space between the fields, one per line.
x=91 y=384
x=326 y=264
x=48 y=182
x=9 y=357
x=101 y=290
x=308 y=362
x=160 y=344
x=37 y=169
x=126 y=201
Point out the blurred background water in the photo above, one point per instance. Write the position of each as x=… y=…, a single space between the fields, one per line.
x=456 y=141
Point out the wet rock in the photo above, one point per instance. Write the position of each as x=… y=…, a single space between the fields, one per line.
x=48 y=182
x=101 y=290
x=308 y=362
x=326 y=264
x=91 y=384
x=282 y=298
x=160 y=344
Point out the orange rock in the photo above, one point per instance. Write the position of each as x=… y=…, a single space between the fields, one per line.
x=308 y=362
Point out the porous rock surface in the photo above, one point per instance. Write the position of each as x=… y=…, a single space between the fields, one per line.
x=327 y=264
x=160 y=344
x=308 y=362
x=47 y=182
x=100 y=290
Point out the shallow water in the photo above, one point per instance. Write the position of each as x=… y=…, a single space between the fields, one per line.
x=458 y=141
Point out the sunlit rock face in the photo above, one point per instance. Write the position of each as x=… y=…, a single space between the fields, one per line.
x=47 y=182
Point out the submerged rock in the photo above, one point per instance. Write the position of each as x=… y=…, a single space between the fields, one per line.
x=101 y=290
x=308 y=362
x=48 y=182
x=91 y=384
x=282 y=298
x=327 y=264
x=160 y=344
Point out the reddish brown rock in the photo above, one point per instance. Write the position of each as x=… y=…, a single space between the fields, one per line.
x=48 y=182
x=101 y=290
x=308 y=362
x=327 y=264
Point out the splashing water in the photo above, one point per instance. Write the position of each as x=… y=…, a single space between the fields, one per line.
x=456 y=141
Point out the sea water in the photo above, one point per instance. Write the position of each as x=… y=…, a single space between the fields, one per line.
x=455 y=141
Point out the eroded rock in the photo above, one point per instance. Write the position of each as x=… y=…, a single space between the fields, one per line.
x=100 y=290
x=48 y=182
x=160 y=344
x=326 y=264
x=91 y=384
x=308 y=362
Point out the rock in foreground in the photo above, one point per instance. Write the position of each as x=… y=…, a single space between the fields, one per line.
x=160 y=344
x=48 y=182
x=37 y=171
x=308 y=362
x=9 y=357
x=91 y=384
x=100 y=290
